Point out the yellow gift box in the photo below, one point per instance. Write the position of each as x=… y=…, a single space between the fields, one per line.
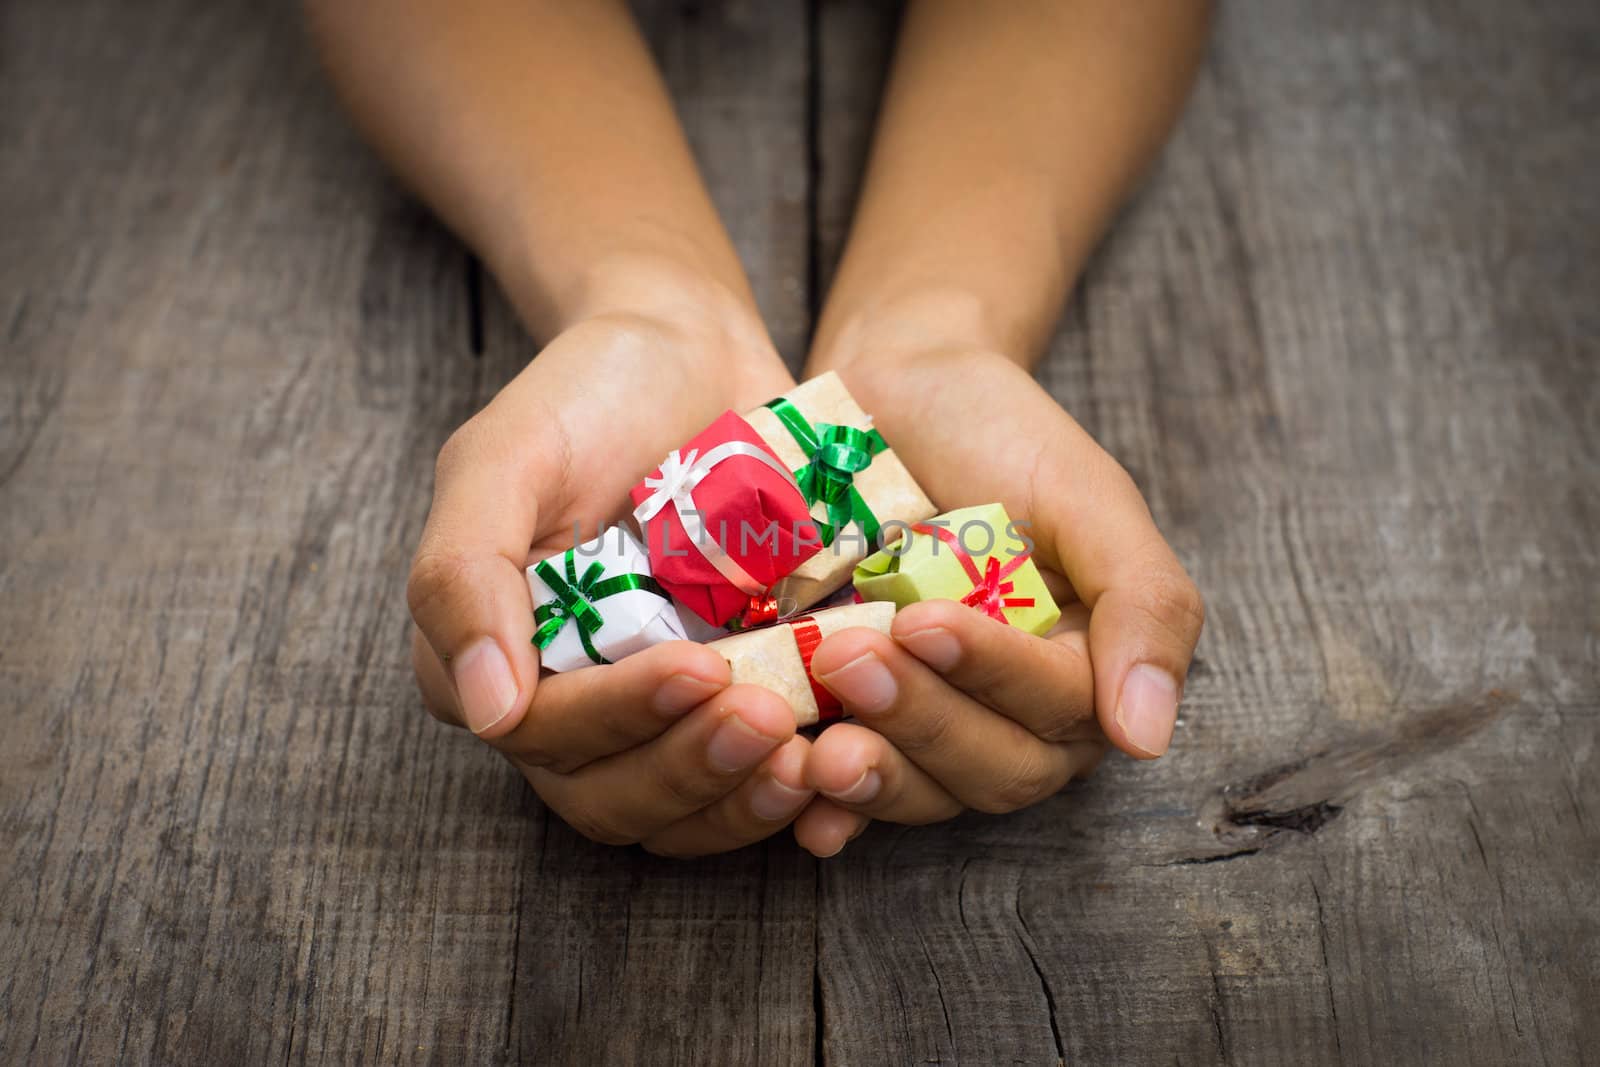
x=976 y=555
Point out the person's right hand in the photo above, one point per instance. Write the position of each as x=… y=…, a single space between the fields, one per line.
x=658 y=748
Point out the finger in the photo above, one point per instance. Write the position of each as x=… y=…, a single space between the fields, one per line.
x=583 y=715
x=763 y=804
x=1143 y=637
x=984 y=759
x=859 y=769
x=1146 y=615
x=1045 y=684
x=467 y=591
x=625 y=798
x=824 y=828
x=438 y=692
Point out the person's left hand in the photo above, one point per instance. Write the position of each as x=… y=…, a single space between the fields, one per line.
x=956 y=710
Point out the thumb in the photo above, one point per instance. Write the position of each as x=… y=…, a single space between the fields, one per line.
x=1141 y=639
x=467 y=591
x=1145 y=615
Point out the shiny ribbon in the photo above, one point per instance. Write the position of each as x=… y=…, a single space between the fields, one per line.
x=989 y=586
x=680 y=473
x=763 y=610
x=806 y=638
x=834 y=456
x=575 y=599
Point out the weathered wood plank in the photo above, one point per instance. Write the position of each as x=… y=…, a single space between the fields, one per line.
x=1345 y=340
x=229 y=835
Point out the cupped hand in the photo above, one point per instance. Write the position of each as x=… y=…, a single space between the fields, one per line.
x=655 y=749
x=956 y=710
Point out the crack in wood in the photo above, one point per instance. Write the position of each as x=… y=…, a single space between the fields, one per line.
x=938 y=990
x=1216 y=1015
x=818 y=1052
x=1483 y=857
x=1044 y=985
x=1303 y=820
x=294 y=1022
x=1327 y=968
x=1304 y=796
x=1195 y=861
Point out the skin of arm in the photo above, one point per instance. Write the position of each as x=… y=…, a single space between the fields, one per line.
x=1010 y=133
x=542 y=133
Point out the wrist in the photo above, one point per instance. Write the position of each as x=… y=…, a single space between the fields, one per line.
x=712 y=330
x=933 y=342
x=903 y=324
x=872 y=345
x=676 y=289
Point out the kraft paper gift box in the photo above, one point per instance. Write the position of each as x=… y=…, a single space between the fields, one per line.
x=597 y=603
x=973 y=555
x=851 y=478
x=779 y=657
x=723 y=520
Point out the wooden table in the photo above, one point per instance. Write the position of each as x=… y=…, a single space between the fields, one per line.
x=1345 y=338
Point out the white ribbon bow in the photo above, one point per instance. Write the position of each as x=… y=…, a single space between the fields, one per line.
x=680 y=473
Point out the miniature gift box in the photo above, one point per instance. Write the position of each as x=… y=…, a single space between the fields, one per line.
x=974 y=555
x=850 y=477
x=723 y=520
x=779 y=657
x=597 y=603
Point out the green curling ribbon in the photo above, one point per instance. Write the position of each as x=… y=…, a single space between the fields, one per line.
x=575 y=599
x=835 y=455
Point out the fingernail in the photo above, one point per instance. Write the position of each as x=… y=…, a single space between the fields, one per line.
x=1148 y=709
x=484 y=680
x=843 y=841
x=772 y=800
x=681 y=692
x=864 y=789
x=935 y=646
x=736 y=747
x=850 y=836
x=864 y=683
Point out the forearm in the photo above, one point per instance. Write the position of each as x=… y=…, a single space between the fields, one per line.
x=541 y=133
x=1009 y=134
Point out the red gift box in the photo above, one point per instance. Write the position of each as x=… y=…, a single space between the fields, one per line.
x=723 y=520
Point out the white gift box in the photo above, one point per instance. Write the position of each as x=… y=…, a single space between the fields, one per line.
x=633 y=619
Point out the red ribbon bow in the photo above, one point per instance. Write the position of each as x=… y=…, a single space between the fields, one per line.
x=762 y=610
x=989 y=586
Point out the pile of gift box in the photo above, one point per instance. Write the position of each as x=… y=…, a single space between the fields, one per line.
x=767 y=532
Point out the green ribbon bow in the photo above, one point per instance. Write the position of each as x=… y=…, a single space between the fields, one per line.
x=575 y=599
x=834 y=456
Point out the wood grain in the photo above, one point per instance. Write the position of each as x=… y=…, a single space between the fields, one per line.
x=1345 y=337
x=1343 y=341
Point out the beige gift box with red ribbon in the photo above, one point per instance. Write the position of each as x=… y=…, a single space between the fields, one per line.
x=779 y=657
